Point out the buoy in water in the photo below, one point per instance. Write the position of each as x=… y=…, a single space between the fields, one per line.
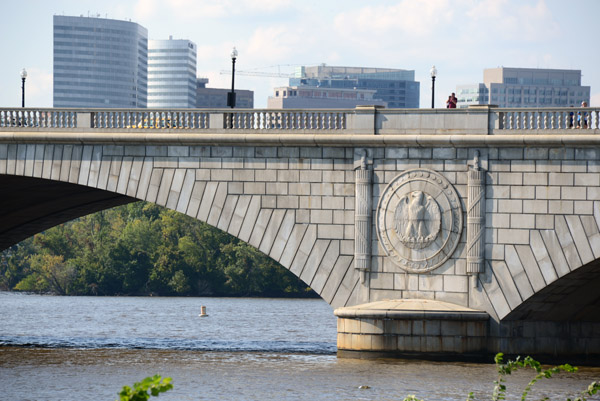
x=203 y=311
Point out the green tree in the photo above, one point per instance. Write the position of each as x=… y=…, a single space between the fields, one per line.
x=49 y=274
x=141 y=248
x=142 y=391
x=179 y=283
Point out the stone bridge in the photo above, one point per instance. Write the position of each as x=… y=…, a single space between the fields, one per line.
x=434 y=232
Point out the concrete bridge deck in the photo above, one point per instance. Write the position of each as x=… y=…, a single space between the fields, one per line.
x=495 y=210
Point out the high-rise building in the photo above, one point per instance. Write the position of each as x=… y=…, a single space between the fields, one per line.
x=525 y=87
x=171 y=73
x=396 y=87
x=99 y=62
x=213 y=98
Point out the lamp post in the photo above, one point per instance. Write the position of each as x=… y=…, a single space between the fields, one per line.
x=23 y=76
x=231 y=95
x=433 y=73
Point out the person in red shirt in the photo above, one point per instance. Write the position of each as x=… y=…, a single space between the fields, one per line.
x=451 y=102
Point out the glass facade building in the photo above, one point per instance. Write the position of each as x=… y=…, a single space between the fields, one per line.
x=525 y=87
x=171 y=73
x=396 y=87
x=100 y=62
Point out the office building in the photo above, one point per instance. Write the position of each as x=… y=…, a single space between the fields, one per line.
x=395 y=87
x=99 y=62
x=171 y=73
x=215 y=98
x=525 y=87
x=312 y=97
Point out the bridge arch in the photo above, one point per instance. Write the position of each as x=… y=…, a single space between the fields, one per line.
x=289 y=204
x=549 y=273
x=573 y=297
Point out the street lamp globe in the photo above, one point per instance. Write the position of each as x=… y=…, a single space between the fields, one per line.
x=231 y=95
x=433 y=73
x=23 y=76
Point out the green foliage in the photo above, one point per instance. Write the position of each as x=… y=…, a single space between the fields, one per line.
x=505 y=369
x=592 y=389
x=141 y=249
x=155 y=385
x=512 y=366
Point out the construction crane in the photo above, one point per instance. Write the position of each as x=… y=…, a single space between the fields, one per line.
x=256 y=73
x=260 y=74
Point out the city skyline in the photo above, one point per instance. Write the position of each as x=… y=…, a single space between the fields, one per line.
x=461 y=38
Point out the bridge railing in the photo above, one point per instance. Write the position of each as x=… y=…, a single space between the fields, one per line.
x=580 y=118
x=193 y=119
x=479 y=120
x=150 y=119
x=286 y=119
x=42 y=118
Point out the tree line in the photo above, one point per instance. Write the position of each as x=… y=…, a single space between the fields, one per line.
x=143 y=249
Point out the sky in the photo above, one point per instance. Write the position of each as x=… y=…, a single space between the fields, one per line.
x=460 y=37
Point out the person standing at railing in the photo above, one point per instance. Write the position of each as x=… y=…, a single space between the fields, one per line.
x=451 y=102
x=582 y=121
x=571 y=118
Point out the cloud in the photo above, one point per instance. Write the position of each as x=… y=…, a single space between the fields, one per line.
x=146 y=9
x=38 y=88
x=273 y=44
x=201 y=9
x=504 y=20
x=413 y=18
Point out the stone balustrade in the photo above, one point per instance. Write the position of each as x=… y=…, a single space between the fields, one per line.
x=369 y=120
x=548 y=119
x=286 y=119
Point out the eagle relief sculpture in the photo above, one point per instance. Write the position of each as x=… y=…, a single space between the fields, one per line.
x=417 y=220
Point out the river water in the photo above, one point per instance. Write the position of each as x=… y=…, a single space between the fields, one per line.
x=74 y=348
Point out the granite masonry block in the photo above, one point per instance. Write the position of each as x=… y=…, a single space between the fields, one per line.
x=522 y=192
x=573 y=166
x=547 y=166
x=527 y=165
x=535 y=179
x=584 y=207
x=587 y=179
x=255 y=163
x=396 y=153
x=560 y=179
x=420 y=153
x=535 y=206
x=510 y=179
x=522 y=221
x=573 y=193
x=547 y=192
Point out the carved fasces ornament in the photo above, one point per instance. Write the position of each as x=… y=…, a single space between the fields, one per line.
x=362 y=214
x=476 y=218
x=419 y=220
